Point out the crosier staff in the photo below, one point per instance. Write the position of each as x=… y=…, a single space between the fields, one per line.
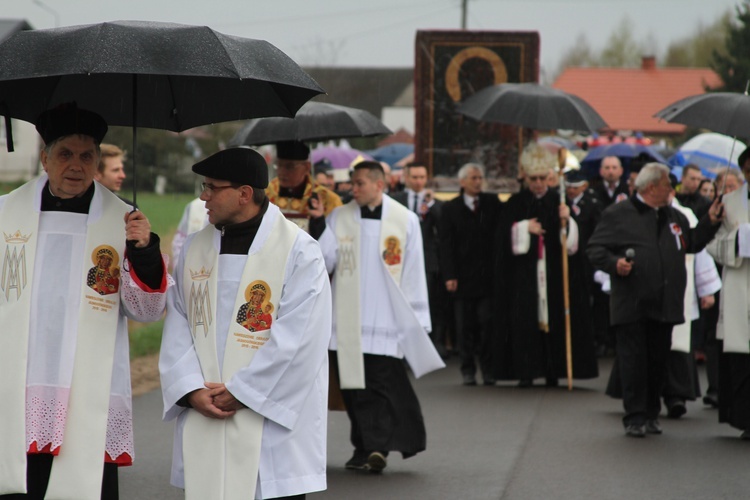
x=561 y=160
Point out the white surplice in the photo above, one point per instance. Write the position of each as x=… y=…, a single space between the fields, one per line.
x=53 y=331
x=287 y=380
x=380 y=324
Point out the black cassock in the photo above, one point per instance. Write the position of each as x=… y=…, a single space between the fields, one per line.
x=523 y=351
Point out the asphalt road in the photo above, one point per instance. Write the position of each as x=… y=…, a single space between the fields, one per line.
x=506 y=443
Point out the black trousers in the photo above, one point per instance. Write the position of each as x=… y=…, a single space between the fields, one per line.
x=385 y=415
x=473 y=334
x=438 y=298
x=38 y=468
x=642 y=350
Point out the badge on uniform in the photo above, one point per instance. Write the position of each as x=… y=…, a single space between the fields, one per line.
x=677 y=232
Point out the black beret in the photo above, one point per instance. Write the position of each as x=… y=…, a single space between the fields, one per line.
x=575 y=178
x=242 y=165
x=292 y=150
x=69 y=119
x=743 y=156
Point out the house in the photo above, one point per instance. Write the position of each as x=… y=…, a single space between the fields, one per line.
x=627 y=98
x=23 y=163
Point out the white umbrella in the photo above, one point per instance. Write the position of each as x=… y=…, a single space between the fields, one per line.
x=711 y=151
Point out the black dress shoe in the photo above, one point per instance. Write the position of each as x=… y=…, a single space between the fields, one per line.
x=551 y=382
x=525 y=383
x=711 y=400
x=376 y=462
x=676 y=408
x=489 y=381
x=358 y=460
x=636 y=431
x=653 y=427
x=469 y=380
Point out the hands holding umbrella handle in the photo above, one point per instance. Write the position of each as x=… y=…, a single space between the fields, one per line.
x=716 y=211
x=137 y=228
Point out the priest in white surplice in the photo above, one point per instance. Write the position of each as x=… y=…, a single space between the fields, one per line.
x=69 y=283
x=731 y=249
x=244 y=366
x=373 y=245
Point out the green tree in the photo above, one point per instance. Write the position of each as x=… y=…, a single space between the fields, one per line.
x=622 y=50
x=696 y=49
x=733 y=65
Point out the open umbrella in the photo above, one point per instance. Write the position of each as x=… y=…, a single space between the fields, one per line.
x=533 y=106
x=625 y=152
x=315 y=121
x=392 y=153
x=709 y=151
x=723 y=112
x=340 y=158
x=147 y=74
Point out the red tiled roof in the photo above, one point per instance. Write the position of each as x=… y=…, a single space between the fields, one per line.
x=627 y=98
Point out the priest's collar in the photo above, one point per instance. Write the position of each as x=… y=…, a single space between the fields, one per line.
x=295 y=192
x=237 y=238
x=77 y=204
x=371 y=213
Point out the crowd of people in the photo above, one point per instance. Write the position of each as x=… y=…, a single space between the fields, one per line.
x=286 y=301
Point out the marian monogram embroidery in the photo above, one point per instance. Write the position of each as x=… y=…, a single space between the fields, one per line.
x=257 y=313
x=14 y=264
x=347 y=260
x=199 y=302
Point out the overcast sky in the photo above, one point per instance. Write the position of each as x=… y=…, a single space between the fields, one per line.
x=381 y=32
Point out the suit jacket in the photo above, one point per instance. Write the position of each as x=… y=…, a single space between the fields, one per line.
x=601 y=194
x=467 y=244
x=586 y=213
x=655 y=288
x=696 y=202
x=429 y=223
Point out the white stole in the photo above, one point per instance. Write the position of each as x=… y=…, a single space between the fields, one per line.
x=77 y=470
x=222 y=456
x=413 y=340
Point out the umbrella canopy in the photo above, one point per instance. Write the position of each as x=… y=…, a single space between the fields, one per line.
x=148 y=74
x=340 y=158
x=533 y=106
x=723 y=112
x=315 y=121
x=625 y=152
x=709 y=151
x=392 y=153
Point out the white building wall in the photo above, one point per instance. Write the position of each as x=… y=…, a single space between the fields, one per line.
x=23 y=163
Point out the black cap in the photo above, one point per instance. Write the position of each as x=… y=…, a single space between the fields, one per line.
x=743 y=156
x=575 y=178
x=292 y=150
x=240 y=165
x=69 y=119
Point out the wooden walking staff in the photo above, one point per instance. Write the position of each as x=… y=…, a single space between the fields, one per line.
x=562 y=155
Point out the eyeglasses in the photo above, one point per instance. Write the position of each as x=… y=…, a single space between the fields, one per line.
x=533 y=178
x=210 y=188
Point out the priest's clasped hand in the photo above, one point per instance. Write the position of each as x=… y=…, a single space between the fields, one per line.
x=137 y=228
x=222 y=398
x=203 y=401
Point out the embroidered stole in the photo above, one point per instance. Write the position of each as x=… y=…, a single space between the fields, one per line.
x=222 y=457
x=413 y=340
x=77 y=470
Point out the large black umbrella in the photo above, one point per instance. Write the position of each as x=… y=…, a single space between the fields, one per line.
x=532 y=105
x=315 y=121
x=723 y=112
x=148 y=74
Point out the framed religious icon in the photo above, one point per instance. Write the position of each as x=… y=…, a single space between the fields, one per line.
x=450 y=67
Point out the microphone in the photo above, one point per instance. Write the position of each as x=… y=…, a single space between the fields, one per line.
x=629 y=255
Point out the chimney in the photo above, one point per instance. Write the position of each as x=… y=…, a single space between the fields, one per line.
x=648 y=62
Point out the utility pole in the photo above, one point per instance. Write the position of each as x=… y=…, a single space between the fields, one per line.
x=464 y=9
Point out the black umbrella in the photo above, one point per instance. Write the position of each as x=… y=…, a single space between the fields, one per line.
x=315 y=121
x=723 y=112
x=532 y=105
x=147 y=74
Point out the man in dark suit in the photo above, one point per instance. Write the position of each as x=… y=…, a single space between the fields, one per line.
x=422 y=201
x=648 y=287
x=689 y=196
x=612 y=187
x=467 y=257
